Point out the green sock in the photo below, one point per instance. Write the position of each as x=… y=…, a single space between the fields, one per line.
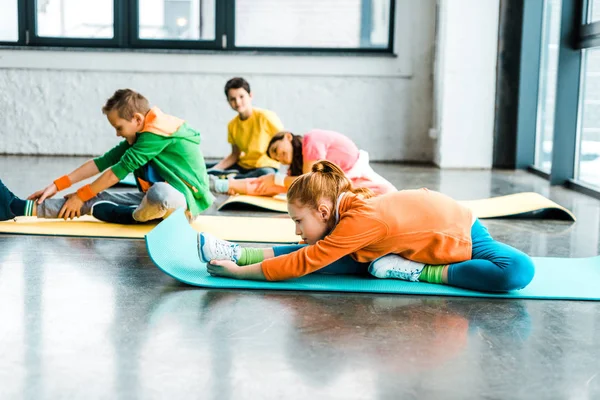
x=432 y=274
x=251 y=255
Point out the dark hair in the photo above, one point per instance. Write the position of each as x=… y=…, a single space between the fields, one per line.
x=297 y=158
x=236 y=83
x=326 y=180
x=127 y=102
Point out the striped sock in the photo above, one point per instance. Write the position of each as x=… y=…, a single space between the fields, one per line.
x=30 y=204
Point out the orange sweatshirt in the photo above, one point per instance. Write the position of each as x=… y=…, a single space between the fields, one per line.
x=420 y=225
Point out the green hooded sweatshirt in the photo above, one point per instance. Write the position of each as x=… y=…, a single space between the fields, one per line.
x=172 y=148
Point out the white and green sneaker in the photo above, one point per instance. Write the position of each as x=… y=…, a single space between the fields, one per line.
x=396 y=267
x=212 y=248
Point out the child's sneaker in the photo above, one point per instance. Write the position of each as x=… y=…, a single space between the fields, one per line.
x=211 y=248
x=394 y=266
x=6 y=197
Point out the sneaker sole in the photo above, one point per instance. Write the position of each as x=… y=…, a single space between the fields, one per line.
x=201 y=243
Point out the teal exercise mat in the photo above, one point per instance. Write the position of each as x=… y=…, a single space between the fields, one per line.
x=172 y=246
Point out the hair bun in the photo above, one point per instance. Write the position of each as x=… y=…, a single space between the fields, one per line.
x=324 y=167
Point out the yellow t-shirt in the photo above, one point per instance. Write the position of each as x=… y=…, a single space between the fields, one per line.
x=252 y=137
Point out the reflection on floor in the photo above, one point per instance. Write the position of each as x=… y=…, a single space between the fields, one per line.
x=93 y=318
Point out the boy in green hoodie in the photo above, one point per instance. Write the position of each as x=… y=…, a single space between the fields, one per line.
x=162 y=151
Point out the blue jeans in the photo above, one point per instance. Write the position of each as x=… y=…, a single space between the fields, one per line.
x=242 y=173
x=493 y=267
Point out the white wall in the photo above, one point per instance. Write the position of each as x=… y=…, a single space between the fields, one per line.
x=50 y=100
x=465 y=83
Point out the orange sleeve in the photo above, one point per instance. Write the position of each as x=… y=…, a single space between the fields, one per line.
x=351 y=234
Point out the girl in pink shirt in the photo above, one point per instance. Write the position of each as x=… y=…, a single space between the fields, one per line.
x=298 y=153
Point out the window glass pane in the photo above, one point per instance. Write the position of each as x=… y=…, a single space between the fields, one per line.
x=177 y=19
x=588 y=160
x=75 y=18
x=9 y=21
x=593 y=10
x=312 y=24
x=547 y=87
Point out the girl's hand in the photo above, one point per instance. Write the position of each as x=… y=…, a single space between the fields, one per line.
x=44 y=194
x=265 y=182
x=224 y=268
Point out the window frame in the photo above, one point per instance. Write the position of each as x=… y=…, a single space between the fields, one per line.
x=126 y=28
x=33 y=39
x=576 y=35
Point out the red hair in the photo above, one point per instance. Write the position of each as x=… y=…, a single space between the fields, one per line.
x=325 y=181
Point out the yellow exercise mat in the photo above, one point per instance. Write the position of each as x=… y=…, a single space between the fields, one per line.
x=240 y=229
x=84 y=226
x=241 y=201
x=525 y=205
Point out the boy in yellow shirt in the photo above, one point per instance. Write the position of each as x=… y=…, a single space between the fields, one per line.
x=249 y=134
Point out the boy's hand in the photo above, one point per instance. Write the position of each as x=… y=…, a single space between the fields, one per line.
x=225 y=268
x=72 y=207
x=44 y=194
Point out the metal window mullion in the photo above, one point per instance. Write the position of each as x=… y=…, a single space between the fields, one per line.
x=121 y=22
x=567 y=95
x=228 y=24
x=392 y=26
x=529 y=82
x=30 y=30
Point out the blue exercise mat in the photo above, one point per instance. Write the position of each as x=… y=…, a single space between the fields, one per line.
x=172 y=246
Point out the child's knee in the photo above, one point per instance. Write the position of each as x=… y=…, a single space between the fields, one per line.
x=162 y=193
x=519 y=272
x=158 y=193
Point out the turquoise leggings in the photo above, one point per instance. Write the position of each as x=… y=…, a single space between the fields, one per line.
x=493 y=267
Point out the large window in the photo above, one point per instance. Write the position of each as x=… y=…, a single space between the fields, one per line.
x=547 y=85
x=309 y=23
x=588 y=147
x=363 y=26
x=74 y=18
x=564 y=37
x=177 y=19
x=9 y=25
x=593 y=11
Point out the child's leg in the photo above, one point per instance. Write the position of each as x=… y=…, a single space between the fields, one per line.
x=255 y=173
x=247 y=186
x=10 y=205
x=494 y=267
x=50 y=208
x=231 y=186
x=159 y=202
